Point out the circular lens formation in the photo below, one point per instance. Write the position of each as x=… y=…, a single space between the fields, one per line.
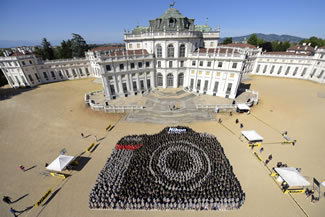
x=174 y=169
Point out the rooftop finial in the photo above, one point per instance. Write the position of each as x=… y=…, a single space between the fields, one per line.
x=172 y=4
x=207 y=19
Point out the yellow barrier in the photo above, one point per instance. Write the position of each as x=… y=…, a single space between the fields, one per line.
x=59 y=175
x=90 y=147
x=294 y=191
x=257 y=156
x=255 y=144
x=43 y=198
x=109 y=126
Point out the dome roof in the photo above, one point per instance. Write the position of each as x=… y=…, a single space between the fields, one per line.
x=171 y=12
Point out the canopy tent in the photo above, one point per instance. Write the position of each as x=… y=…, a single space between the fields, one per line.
x=243 y=107
x=291 y=176
x=252 y=136
x=60 y=163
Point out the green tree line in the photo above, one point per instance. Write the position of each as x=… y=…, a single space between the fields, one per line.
x=75 y=47
x=278 y=45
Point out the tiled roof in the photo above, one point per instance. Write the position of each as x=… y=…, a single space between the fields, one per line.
x=106 y=48
x=301 y=48
x=285 y=53
x=122 y=52
x=171 y=12
x=240 y=45
x=216 y=50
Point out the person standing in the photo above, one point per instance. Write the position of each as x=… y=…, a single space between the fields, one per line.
x=96 y=138
x=13 y=211
x=82 y=135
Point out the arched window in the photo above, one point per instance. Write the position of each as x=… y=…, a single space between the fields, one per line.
x=159 y=51
x=172 y=22
x=170 y=51
x=170 y=80
x=182 y=50
x=159 y=80
x=180 y=79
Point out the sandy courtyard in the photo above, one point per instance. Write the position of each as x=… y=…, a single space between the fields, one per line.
x=36 y=124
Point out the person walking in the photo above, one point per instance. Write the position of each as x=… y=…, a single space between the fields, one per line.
x=6 y=199
x=13 y=211
x=96 y=138
x=241 y=125
x=82 y=135
x=22 y=168
x=261 y=150
x=237 y=121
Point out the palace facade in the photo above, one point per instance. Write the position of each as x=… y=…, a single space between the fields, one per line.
x=172 y=52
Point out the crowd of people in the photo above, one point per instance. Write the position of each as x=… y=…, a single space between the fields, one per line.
x=174 y=169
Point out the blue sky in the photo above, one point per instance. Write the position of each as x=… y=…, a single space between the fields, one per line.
x=105 y=21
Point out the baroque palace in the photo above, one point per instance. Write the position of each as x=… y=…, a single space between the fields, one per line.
x=171 y=52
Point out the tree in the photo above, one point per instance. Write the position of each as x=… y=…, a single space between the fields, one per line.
x=280 y=46
x=314 y=41
x=266 y=46
x=253 y=40
x=47 y=51
x=78 y=46
x=227 y=40
x=66 y=51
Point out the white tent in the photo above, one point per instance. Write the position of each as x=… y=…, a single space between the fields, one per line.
x=291 y=176
x=60 y=163
x=243 y=107
x=252 y=136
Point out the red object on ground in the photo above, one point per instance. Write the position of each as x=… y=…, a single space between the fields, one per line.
x=127 y=147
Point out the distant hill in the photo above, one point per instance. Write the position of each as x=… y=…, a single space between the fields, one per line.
x=267 y=37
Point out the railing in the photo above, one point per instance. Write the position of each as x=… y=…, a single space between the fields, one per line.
x=109 y=108
x=65 y=60
x=255 y=99
x=163 y=34
x=221 y=107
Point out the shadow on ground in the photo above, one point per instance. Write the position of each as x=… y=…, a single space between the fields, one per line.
x=7 y=92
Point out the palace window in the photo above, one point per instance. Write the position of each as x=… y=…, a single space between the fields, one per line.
x=80 y=71
x=170 y=64
x=201 y=63
x=312 y=74
x=234 y=65
x=74 y=73
x=170 y=51
x=30 y=62
x=23 y=62
x=172 y=23
x=132 y=65
x=138 y=45
x=130 y=45
x=159 y=79
x=53 y=75
x=295 y=72
x=87 y=71
x=320 y=74
x=265 y=68
x=121 y=67
x=45 y=76
x=193 y=63
x=198 y=85
x=209 y=64
x=36 y=75
x=108 y=68
x=303 y=72
x=232 y=75
x=30 y=78
x=159 y=51
x=258 y=68
x=159 y=64
x=182 y=64
x=140 y=64
x=288 y=70
x=182 y=50
x=272 y=69
x=147 y=64
x=219 y=64
x=280 y=69
x=211 y=44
